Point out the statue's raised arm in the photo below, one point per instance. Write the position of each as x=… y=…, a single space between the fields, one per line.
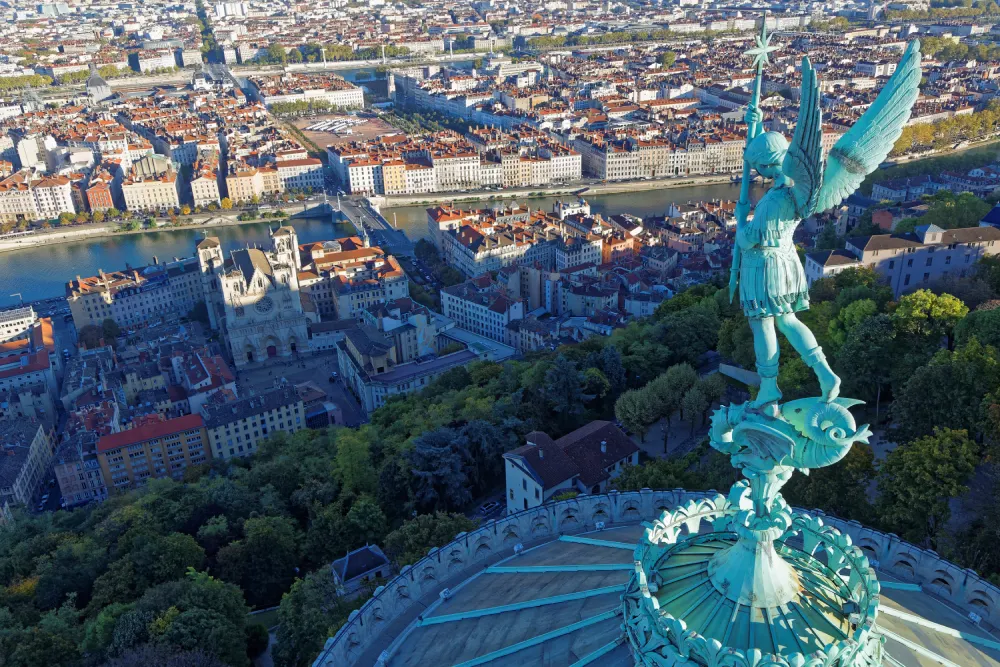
x=860 y=151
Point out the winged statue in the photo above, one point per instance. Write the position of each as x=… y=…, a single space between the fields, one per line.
x=766 y=266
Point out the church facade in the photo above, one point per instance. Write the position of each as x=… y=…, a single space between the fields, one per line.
x=253 y=297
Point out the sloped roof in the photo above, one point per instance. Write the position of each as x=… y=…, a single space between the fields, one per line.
x=576 y=454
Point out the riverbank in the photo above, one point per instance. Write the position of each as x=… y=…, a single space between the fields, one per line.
x=97 y=231
x=573 y=190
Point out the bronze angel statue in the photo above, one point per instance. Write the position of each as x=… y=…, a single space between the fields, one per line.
x=766 y=265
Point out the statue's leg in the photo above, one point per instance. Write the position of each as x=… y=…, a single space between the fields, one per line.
x=765 y=347
x=804 y=342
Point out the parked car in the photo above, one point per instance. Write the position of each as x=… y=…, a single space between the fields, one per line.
x=489 y=508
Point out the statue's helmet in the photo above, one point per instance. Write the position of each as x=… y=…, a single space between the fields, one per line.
x=767 y=149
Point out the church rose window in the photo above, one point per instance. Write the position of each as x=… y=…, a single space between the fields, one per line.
x=264 y=305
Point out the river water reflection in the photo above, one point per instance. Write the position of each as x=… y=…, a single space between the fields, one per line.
x=43 y=271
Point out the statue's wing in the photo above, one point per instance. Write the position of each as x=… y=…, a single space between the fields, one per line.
x=804 y=161
x=866 y=145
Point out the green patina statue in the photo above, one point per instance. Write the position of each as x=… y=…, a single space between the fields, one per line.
x=766 y=266
x=745 y=580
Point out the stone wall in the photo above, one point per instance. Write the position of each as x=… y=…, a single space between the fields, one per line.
x=961 y=587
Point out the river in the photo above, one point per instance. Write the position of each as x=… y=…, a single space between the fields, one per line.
x=413 y=219
x=43 y=272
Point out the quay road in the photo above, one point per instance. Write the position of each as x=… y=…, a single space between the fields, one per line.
x=370 y=223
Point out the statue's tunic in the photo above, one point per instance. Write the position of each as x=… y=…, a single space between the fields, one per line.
x=772 y=281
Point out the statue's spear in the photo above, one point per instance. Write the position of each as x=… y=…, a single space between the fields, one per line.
x=759 y=53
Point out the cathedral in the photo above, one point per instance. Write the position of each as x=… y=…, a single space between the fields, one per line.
x=253 y=298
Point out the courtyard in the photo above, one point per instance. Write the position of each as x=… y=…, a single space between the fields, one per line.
x=319 y=367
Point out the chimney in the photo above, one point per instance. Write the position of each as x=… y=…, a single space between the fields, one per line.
x=541 y=453
x=604 y=446
x=155 y=260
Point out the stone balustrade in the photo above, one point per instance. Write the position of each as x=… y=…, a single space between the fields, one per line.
x=963 y=588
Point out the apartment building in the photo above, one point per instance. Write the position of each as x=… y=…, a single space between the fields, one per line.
x=16 y=323
x=243 y=183
x=300 y=174
x=154 y=448
x=28 y=365
x=25 y=198
x=477 y=306
x=151 y=193
x=610 y=158
x=577 y=250
x=343 y=277
x=205 y=183
x=75 y=463
x=237 y=428
x=395 y=350
x=25 y=452
x=474 y=252
x=135 y=297
x=99 y=193
x=907 y=262
x=289 y=87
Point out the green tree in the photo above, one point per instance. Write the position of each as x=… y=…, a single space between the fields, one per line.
x=948 y=392
x=636 y=410
x=194 y=612
x=691 y=332
x=865 y=361
x=214 y=534
x=988 y=270
x=694 y=404
x=983 y=325
x=366 y=520
x=971 y=291
x=564 y=385
x=164 y=656
x=948 y=211
x=918 y=480
x=411 y=541
x=69 y=569
x=667 y=391
x=90 y=336
x=828 y=239
x=487 y=443
x=263 y=563
x=353 y=464
x=258 y=639
x=275 y=54
x=668 y=58
x=849 y=318
x=111 y=331
x=672 y=473
x=923 y=314
x=310 y=612
x=197 y=628
x=736 y=341
x=438 y=471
